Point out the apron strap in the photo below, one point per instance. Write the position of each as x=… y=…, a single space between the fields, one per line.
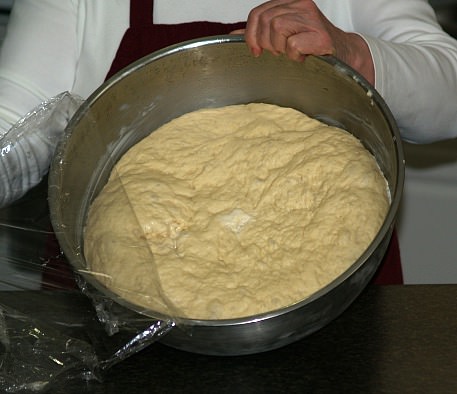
x=141 y=13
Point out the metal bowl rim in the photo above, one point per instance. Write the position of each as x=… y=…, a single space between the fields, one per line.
x=384 y=231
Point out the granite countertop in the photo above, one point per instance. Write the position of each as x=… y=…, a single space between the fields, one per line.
x=392 y=339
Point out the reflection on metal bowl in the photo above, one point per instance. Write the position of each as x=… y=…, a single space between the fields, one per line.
x=210 y=72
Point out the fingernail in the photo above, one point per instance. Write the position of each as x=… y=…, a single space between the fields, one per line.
x=256 y=52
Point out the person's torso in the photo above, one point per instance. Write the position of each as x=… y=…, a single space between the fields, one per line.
x=103 y=25
x=145 y=35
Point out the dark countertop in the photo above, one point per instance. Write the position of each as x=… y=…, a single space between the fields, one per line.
x=392 y=339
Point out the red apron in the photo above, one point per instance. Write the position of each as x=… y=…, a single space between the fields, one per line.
x=144 y=37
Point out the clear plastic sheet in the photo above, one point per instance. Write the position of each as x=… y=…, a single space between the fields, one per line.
x=45 y=337
x=27 y=148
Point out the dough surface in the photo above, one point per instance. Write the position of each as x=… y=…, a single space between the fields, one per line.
x=234 y=211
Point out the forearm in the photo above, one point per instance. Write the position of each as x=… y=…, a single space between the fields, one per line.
x=45 y=64
x=352 y=49
x=22 y=165
x=415 y=65
x=15 y=101
x=28 y=147
x=419 y=84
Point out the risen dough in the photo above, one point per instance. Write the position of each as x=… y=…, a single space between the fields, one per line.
x=234 y=211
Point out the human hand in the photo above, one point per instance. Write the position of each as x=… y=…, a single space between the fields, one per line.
x=298 y=28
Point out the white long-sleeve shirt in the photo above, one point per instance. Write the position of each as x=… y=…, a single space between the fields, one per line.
x=55 y=46
x=68 y=45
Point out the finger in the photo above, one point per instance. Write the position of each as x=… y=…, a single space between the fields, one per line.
x=259 y=25
x=254 y=22
x=310 y=43
x=250 y=34
x=281 y=28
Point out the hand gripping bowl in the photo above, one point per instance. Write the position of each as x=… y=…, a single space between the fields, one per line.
x=212 y=72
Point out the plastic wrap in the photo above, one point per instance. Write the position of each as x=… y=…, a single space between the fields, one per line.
x=27 y=148
x=45 y=338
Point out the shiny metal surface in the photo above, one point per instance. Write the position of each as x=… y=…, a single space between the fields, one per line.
x=211 y=72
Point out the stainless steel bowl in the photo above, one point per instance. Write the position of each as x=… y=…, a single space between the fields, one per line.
x=212 y=72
